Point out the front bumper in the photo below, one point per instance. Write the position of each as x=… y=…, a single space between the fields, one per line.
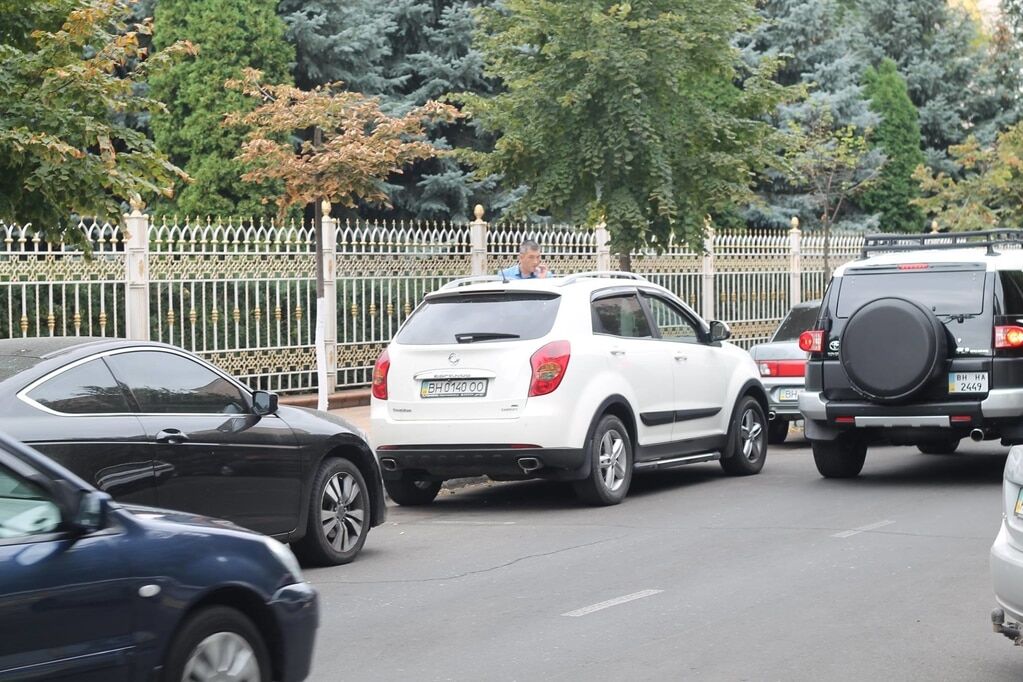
x=455 y=461
x=1007 y=575
x=296 y=610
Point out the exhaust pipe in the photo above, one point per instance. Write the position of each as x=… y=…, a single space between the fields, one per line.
x=977 y=435
x=529 y=464
x=389 y=464
x=771 y=415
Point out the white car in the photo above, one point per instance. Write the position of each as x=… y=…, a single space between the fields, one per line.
x=1007 y=552
x=583 y=378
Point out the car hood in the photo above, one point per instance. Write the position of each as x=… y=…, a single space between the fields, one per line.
x=182 y=518
x=777 y=350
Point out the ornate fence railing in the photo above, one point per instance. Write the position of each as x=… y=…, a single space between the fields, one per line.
x=243 y=295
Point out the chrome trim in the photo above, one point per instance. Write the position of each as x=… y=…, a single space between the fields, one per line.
x=1003 y=402
x=920 y=420
x=688 y=459
x=812 y=406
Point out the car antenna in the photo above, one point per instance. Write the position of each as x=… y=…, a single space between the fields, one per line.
x=504 y=277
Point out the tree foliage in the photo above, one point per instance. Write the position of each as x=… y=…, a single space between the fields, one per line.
x=67 y=68
x=630 y=113
x=361 y=144
x=231 y=35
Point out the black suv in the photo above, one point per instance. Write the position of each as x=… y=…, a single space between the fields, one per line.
x=919 y=342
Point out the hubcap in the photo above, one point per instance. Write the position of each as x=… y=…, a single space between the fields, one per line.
x=342 y=512
x=612 y=460
x=751 y=433
x=222 y=657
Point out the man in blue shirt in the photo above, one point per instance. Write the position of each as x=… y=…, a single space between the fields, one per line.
x=529 y=265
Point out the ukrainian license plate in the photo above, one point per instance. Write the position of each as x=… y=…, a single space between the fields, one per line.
x=453 y=388
x=789 y=394
x=967 y=382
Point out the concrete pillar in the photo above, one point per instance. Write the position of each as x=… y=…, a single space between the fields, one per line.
x=478 y=242
x=136 y=234
x=795 y=264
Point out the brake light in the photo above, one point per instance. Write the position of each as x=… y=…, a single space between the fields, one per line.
x=782 y=368
x=549 y=365
x=812 y=341
x=1009 y=337
x=380 y=371
x=913 y=266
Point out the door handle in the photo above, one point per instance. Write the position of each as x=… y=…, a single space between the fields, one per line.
x=172 y=436
x=617 y=352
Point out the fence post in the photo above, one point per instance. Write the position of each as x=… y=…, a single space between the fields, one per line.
x=708 y=272
x=603 y=238
x=478 y=242
x=795 y=264
x=329 y=241
x=136 y=295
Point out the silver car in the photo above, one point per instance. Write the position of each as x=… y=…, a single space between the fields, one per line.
x=782 y=368
x=1007 y=552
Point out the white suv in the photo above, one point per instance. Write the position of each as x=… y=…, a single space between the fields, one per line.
x=582 y=378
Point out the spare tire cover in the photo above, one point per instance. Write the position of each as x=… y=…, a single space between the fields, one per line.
x=891 y=348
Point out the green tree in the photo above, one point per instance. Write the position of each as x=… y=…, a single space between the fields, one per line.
x=64 y=76
x=629 y=113
x=898 y=136
x=232 y=35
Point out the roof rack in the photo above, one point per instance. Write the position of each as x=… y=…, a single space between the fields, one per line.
x=610 y=274
x=878 y=243
x=476 y=279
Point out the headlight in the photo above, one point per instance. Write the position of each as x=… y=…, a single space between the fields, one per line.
x=284 y=554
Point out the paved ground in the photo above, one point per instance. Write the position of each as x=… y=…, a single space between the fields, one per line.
x=781 y=576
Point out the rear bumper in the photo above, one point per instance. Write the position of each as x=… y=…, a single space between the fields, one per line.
x=296 y=609
x=999 y=403
x=454 y=461
x=1007 y=575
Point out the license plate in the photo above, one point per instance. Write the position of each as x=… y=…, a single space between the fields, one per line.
x=1019 y=504
x=789 y=394
x=453 y=388
x=967 y=382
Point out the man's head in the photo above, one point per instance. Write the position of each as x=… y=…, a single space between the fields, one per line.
x=529 y=257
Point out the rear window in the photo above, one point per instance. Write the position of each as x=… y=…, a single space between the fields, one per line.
x=945 y=292
x=481 y=318
x=796 y=322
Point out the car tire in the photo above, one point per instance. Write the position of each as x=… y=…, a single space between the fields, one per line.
x=840 y=458
x=777 y=431
x=217 y=639
x=746 y=449
x=609 y=451
x=339 y=515
x=411 y=492
x=939 y=447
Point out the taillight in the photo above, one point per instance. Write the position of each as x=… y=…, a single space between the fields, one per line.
x=549 y=365
x=1009 y=337
x=812 y=341
x=380 y=376
x=782 y=368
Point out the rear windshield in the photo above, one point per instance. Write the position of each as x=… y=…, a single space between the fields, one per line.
x=481 y=318
x=798 y=321
x=944 y=292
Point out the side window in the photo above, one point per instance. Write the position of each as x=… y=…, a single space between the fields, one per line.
x=88 y=388
x=1012 y=288
x=620 y=316
x=25 y=510
x=674 y=324
x=167 y=383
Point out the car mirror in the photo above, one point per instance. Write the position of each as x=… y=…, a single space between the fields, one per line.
x=264 y=402
x=93 y=508
x=719 y=331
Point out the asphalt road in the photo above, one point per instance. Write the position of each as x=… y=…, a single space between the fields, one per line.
x=781 y=576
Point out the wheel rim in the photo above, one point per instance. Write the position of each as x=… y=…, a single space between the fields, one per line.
x=342 y=512
x=751 y=433
x=222 y=657
x=613 y=460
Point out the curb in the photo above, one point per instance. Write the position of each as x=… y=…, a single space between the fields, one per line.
x=353 y=398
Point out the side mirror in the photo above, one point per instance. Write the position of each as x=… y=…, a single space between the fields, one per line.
x=719 y=331
x=93 y=509
x=264 y=402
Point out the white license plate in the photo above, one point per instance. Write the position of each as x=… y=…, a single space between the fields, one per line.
x=789 y=394
x=453 y=388
x=967 y=382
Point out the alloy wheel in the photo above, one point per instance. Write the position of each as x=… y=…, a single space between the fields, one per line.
x=751 y=432
x=612 y=460
x=342 y=511
x=222 y=657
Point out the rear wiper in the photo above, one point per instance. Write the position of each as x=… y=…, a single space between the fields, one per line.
x=472 y=337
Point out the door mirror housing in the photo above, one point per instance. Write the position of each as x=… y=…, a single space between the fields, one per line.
x=93 y=510
x=719 y=331
x=264 y=402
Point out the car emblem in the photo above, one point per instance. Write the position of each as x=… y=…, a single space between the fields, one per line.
x=454 y=359
x=833 y=346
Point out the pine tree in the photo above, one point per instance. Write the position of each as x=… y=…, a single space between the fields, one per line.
x=231 y=34
x=898 y=136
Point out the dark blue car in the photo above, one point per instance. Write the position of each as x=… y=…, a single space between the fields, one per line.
x=94 y=590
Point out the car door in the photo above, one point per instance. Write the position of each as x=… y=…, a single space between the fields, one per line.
x=66 y=603
x=212 y=455
x=700 y=371
x=82 y=418
x=623 y=335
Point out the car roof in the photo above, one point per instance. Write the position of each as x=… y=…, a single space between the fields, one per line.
x=1002 y=259
x=581 y=282
x=44 y=347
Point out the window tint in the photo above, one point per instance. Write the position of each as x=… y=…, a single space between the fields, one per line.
x=24 y=509
x=799 y=320
x=620 y=316
x=944 y=292
x=480 y=318
x=172 y=384
x=672 y=322
x=1012 y=290
x=86 y=389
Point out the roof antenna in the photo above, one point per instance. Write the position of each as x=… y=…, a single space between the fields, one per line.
x=504 y=277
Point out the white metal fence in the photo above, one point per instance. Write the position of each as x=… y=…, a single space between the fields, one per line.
x=243 y=295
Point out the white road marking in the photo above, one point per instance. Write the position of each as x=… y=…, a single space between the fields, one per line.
x=862 y=529
x=611 y=602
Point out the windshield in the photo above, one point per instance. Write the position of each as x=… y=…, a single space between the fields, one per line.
x=796 y=322
x=481 y=318
x=943 y=292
